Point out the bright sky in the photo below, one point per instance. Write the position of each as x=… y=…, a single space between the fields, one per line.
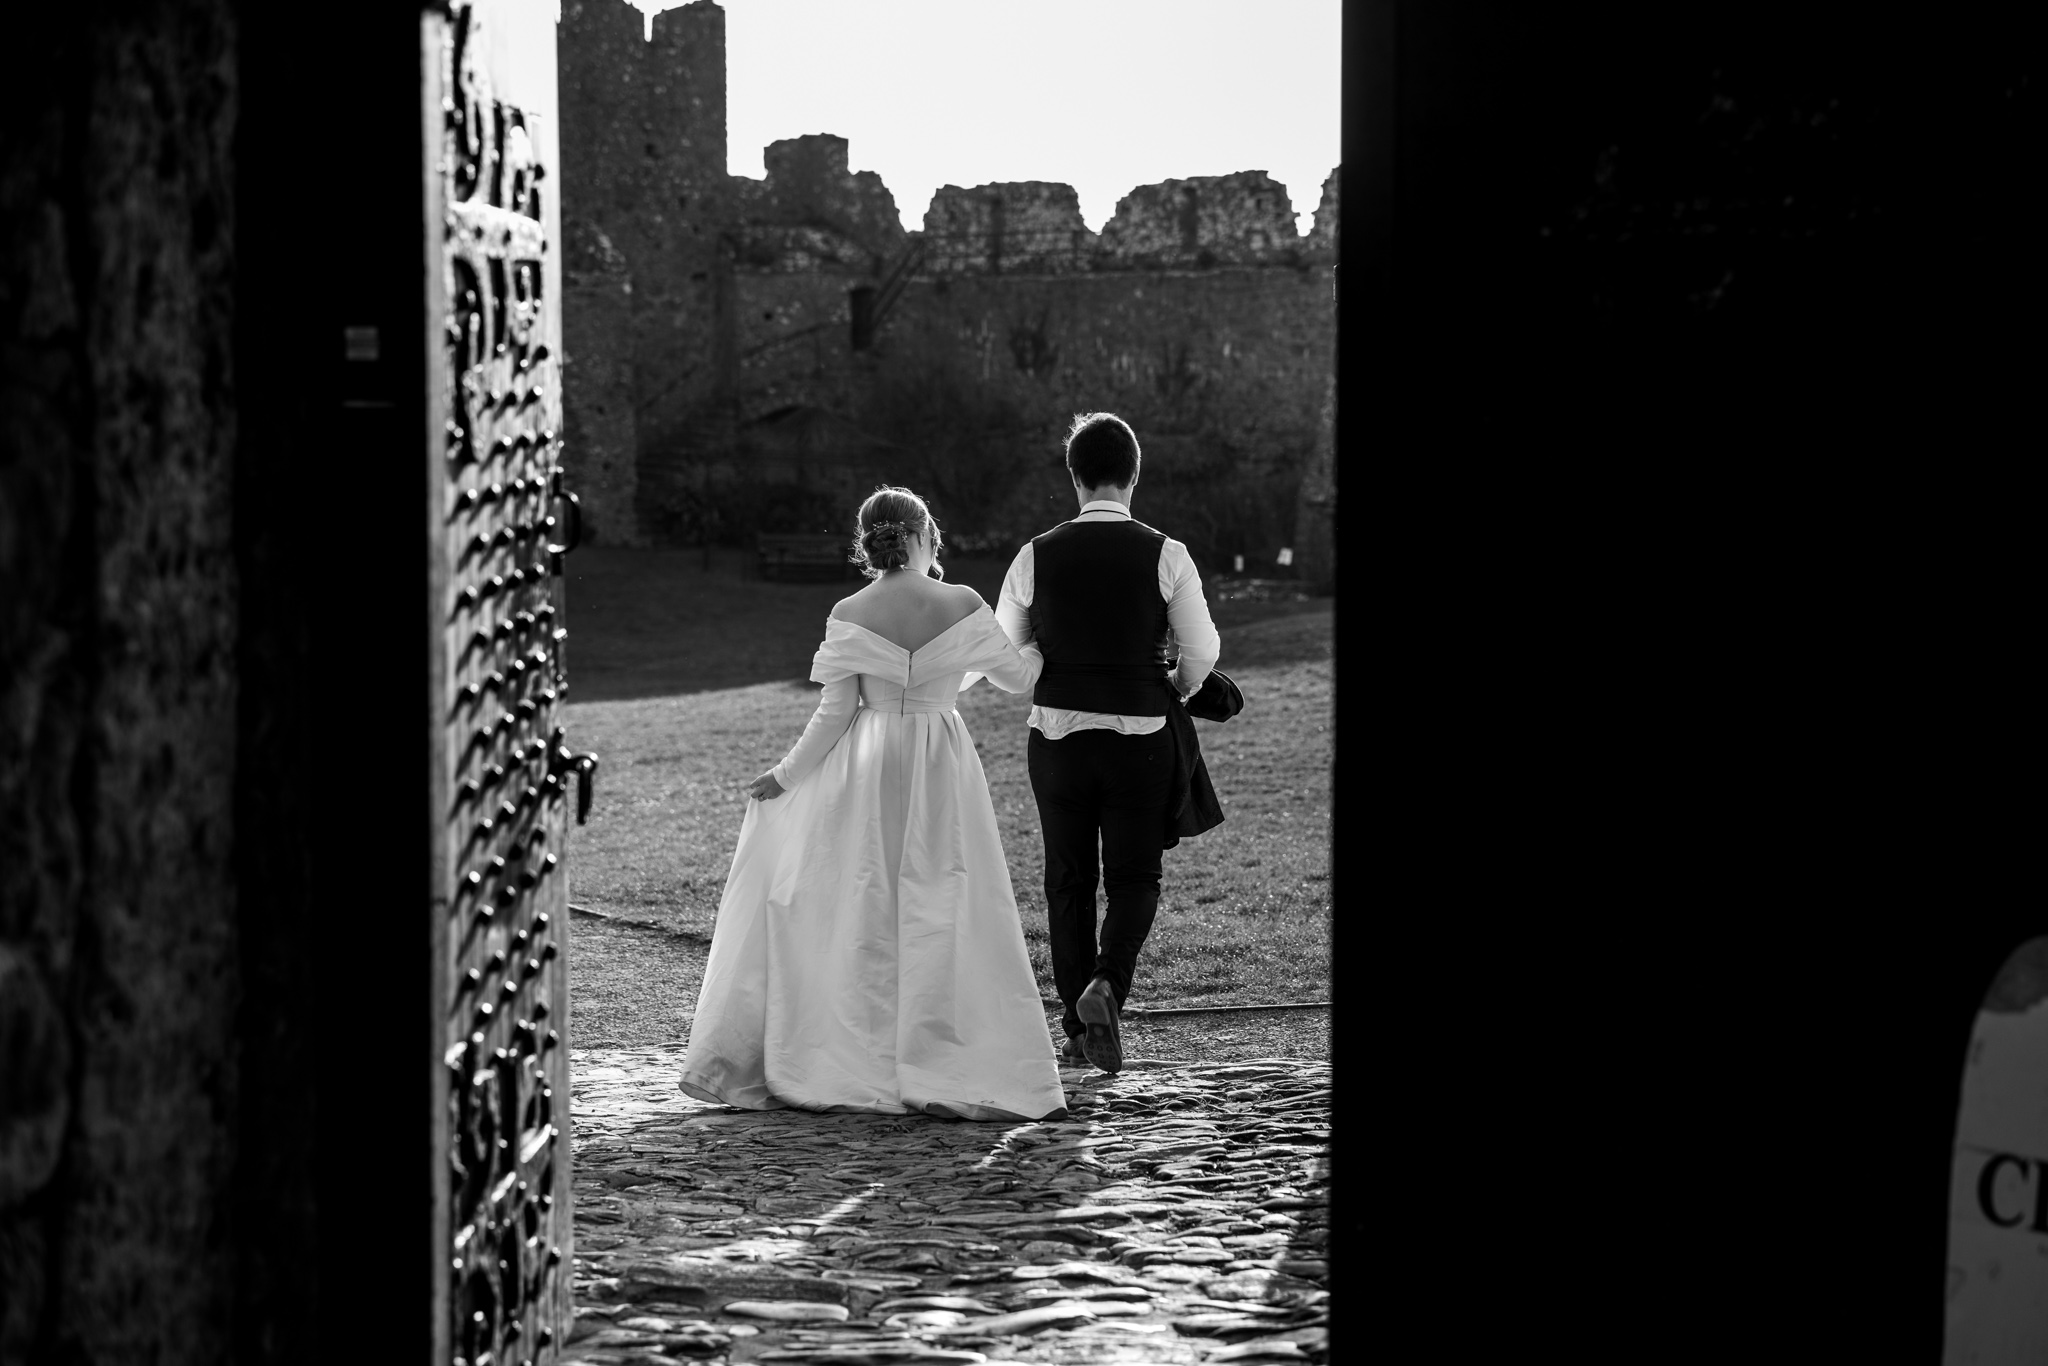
x=1103 y=95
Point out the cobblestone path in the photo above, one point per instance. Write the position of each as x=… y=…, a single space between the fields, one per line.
x=1179 y=1215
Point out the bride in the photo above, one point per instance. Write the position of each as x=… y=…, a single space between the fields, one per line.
x=867 y=954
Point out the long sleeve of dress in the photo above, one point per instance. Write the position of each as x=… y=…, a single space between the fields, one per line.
x=836 y=708
x=1012 y=668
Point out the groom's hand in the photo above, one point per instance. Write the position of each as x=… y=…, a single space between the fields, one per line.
x=764 y=788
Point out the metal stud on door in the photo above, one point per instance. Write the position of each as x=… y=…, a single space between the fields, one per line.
x=502 y=757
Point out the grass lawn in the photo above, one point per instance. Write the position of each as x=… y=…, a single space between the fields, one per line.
x=654 y=623
x=668 y=691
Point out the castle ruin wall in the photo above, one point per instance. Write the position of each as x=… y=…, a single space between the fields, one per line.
x=1322 y=237
x=809 y=190
x=600 y=427
x=710 y=342
x=981 y=362
x=1028 y=227
x=1241 y=219
x=643 y=163
x=1222 y=373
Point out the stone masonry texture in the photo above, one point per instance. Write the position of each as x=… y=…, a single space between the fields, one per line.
x=600 y=427
x=816 y=202
x=117 y=687
x=1214 y=370
x=643 y=165
x=710 y=327
x=1026 y=227
x=1322 y=237
x=1315 y=518
x=1201 y=221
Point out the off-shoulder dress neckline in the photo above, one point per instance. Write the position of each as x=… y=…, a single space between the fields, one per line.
x=984 y=607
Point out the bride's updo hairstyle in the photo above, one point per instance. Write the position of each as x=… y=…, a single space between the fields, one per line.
x=883 y=531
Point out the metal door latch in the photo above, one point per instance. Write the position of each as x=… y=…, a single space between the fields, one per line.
x=586 y=769
x=572 y=507
x=563 y=762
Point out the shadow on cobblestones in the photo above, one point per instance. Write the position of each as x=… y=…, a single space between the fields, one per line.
x=1178 y=1215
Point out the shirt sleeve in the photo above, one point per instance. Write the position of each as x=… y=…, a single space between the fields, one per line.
x=836 y=707
x=1013 y=604
x=1187 y=612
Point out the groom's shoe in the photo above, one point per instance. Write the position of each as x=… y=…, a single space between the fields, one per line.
x=1102 y=1044
x=1071 y=1052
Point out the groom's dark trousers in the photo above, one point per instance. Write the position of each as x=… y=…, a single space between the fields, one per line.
x=1099 y=786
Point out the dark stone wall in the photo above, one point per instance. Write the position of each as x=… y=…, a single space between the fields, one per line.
x=600 y=424
x=1015 y=318
x=643 y=163
x=794 y=331
x=810 y=204
x=1199 y=315
x=1224 y=375
x=1226 y=378
x=801 y=240
x=681 y=276
x=1239 y=219
x=1030 y=227
x=709 y=327
x=1322 y=236
x=1315 y=512
x=117 y=685
x=1034 y=227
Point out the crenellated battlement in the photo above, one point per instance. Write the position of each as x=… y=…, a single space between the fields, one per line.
x=1030 y=227
x=1035 y=227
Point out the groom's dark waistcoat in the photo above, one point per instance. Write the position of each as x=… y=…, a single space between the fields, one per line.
x=1098 y=618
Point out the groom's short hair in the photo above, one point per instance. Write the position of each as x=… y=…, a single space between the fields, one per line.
x=1101 y=449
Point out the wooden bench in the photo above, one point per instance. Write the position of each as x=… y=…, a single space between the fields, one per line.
x=803 y=557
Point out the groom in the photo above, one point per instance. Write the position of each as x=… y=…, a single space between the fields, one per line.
x=1107 y=600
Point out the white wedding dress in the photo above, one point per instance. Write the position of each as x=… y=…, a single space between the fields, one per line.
x=867 y=954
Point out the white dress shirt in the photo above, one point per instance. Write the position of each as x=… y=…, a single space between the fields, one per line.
x=1187 y=614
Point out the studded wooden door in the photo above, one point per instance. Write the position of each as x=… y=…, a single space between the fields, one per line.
x=505 y=777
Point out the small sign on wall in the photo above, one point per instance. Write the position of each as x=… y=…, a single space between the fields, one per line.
x=360 y=343
x=1998 y=1187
